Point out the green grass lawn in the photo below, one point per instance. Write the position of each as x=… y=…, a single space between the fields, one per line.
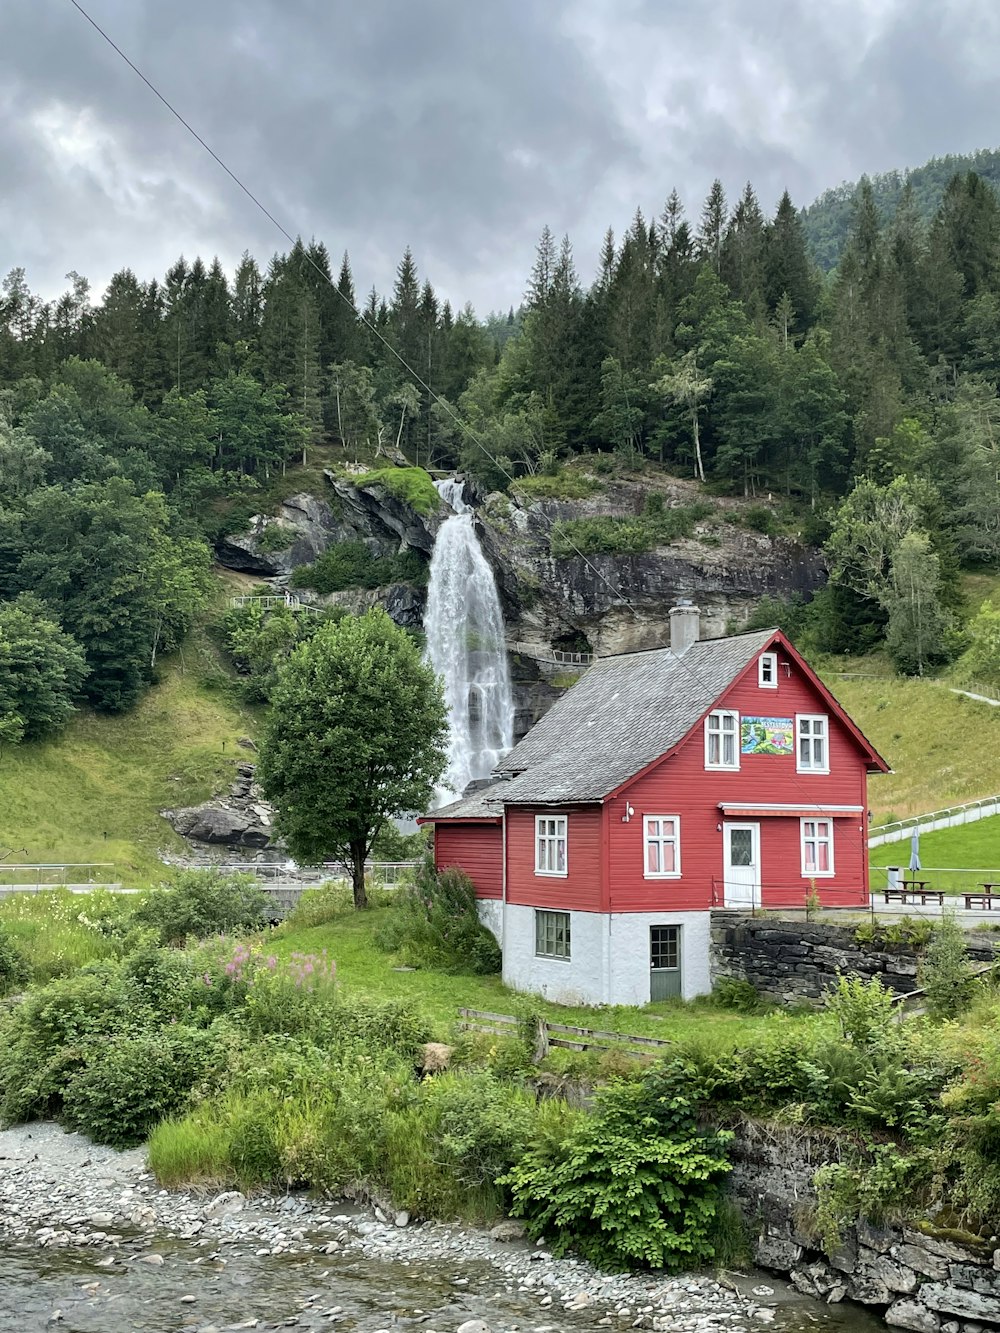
x=364 y=969
x=111 y=775
x=962 y=850
x=942 y=747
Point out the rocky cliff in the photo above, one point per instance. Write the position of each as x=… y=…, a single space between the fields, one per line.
x=596 y=603
x=917 y=1279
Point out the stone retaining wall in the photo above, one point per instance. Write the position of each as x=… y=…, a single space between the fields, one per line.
x=791 y=961
x=926 y=1283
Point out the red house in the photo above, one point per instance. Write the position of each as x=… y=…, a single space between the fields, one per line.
x=715 y=773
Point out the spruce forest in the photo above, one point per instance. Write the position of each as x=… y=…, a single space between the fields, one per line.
x=137 y=429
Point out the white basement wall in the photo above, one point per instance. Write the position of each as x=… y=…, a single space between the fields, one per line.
x=610 y=954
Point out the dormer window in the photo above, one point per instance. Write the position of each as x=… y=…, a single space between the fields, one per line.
x=767 y=671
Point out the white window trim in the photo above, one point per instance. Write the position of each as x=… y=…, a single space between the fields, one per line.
x=816 y=874
x=720 y=713
x=564 y=821
x=771 y=684
x=812 y=717
x=662 y=874
x=555 y=957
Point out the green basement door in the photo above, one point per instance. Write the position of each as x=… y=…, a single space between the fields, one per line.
x=664 y=962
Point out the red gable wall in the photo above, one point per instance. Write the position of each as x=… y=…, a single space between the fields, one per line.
x=475 y=848
x=682 y=786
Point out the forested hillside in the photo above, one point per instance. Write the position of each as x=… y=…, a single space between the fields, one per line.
x=137 y=428
x=828 y=219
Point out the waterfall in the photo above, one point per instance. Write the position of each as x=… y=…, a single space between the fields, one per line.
x=466 y=647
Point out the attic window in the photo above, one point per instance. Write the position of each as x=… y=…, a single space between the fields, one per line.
x=767 y=671
x=722 y=731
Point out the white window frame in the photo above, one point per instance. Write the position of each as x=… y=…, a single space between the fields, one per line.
x=816 y=838
x=545 y=912
x=661 y=839
x=547 y=845
x=811 y=720
x=767 y=664
x=717 y=715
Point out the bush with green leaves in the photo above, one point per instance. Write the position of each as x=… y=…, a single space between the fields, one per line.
x=864 y=1010
x=434 y=922
x=197 y=903
x=133 y=1082
x=637 y=1183
x=611 y=534
x=53 y=1034
x=42 y=670
x=14 y=969
x=354 y=565
x=945 y=973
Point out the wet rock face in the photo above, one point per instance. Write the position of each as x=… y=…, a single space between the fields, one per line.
x=242 y=821
x=920 y=1281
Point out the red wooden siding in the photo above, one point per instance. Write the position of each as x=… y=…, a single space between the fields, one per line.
x=580 y=890
x=475 y=848
x=682 y=786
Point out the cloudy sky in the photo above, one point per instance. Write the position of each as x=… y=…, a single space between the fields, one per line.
x=457 y=126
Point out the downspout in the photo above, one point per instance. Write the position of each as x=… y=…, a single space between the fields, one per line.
x=606 y=895
x=503 y=900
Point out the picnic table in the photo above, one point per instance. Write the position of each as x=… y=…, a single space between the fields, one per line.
x=916 y=889
x=984 y=901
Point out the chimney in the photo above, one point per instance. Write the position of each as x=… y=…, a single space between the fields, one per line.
x=684 y=626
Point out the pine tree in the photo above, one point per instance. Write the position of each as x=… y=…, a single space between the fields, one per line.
x=787 y=267
x=540 y=282
x=713 y=226
x=742 y=258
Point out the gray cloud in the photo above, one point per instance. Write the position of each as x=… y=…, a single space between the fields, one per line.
x=455 y=127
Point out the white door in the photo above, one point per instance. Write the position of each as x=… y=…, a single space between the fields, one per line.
x=741 y=864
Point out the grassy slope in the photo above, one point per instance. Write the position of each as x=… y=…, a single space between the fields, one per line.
x=363 y=969
x=942 y=747
x=114 y=774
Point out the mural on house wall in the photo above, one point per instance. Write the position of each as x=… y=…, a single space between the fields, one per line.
x=767 y=735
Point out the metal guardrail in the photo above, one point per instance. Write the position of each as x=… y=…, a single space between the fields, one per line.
x=553 y=655
x=950 y=817
x=271 y=600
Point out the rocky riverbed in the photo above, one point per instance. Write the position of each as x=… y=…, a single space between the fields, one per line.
x=89 y=1242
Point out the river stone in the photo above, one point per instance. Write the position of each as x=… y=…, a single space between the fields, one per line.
x=778 y=1253
x=508 y=1230
x=911 y=1314
x=474 y=1326
x=224 y=1205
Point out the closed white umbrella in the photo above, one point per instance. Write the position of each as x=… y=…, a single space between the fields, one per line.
x=915 y=850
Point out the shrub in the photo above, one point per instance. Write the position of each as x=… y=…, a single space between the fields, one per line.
x=134 y=1082
x=412 y=485
x=563 y=485
x=55 y=1031
x=353 y=565
x=14 y=969
x=203 y=902
x=435 y=923
x=737 y=994
x=275 y=537
x=863 y=1009
x=944 y=971
x=760 y=519
x=636 y=1183
x=606 y=533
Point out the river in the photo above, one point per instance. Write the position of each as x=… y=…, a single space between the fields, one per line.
x=90 y=1243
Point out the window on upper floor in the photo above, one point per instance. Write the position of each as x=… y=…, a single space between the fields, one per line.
x=722 y=739
x=550 y=844
x=767 y=671
x=817 y=847
x=812 y=743
x=662 y=846
x=552 y=934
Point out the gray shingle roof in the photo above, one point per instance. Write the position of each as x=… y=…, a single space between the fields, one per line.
x=623 y=713
x=486 y=803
